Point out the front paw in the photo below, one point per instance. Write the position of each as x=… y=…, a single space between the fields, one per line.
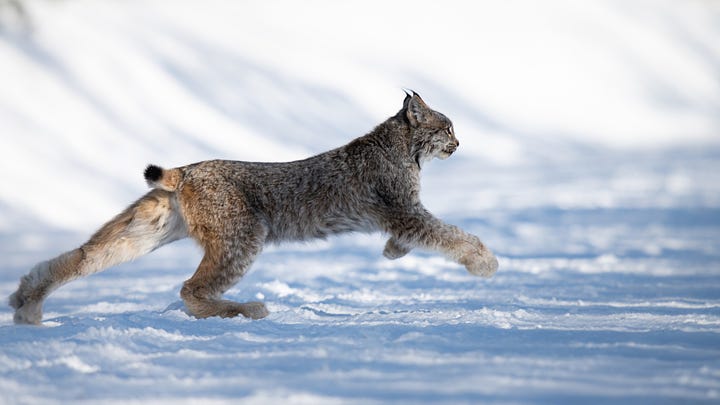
x=483 y=264
x=394 y=250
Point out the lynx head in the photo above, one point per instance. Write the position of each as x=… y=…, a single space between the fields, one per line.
x=432 y=133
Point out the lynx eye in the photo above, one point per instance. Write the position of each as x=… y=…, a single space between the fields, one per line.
x=449 y=131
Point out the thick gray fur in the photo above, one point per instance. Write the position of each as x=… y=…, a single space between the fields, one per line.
x=232 y=209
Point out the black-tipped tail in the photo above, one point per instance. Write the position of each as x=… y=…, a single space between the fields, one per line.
x=167 y=180
x=153 y=173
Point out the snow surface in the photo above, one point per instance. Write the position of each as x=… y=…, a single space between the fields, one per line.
x=589 y=162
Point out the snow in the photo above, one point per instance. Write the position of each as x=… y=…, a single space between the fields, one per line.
x=589 y=157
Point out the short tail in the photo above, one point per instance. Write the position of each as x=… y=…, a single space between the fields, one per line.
x=167 y=180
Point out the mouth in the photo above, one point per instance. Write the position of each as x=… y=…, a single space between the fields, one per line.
x=445 y=153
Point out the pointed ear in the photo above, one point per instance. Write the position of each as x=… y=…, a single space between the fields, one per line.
x=417 y=111
x=407 y=99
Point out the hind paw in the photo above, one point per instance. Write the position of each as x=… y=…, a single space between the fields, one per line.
x=26 y=312
x=252 y=310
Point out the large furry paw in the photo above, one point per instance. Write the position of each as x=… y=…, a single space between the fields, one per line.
x=394 y=250
x=252 y=310
x=205 y=308
x=26 y=312
x=479 y=260
x=30 y=295
x=484 y=265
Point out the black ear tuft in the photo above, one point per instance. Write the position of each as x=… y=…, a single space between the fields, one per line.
x=153 y=173
x=408 y=96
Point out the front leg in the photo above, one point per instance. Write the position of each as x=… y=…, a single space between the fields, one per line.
x=475 y=256
x=419 y=228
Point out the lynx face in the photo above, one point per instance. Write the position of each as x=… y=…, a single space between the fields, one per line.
x=433 y=135
x=449 y=142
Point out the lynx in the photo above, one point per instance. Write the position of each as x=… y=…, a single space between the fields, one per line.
x=232 y=209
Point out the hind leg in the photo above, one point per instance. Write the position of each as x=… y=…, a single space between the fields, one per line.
x=39 y=283
x=146 y=225
x=222 y=266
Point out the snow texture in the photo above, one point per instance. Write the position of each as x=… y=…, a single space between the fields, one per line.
x=589 y=162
